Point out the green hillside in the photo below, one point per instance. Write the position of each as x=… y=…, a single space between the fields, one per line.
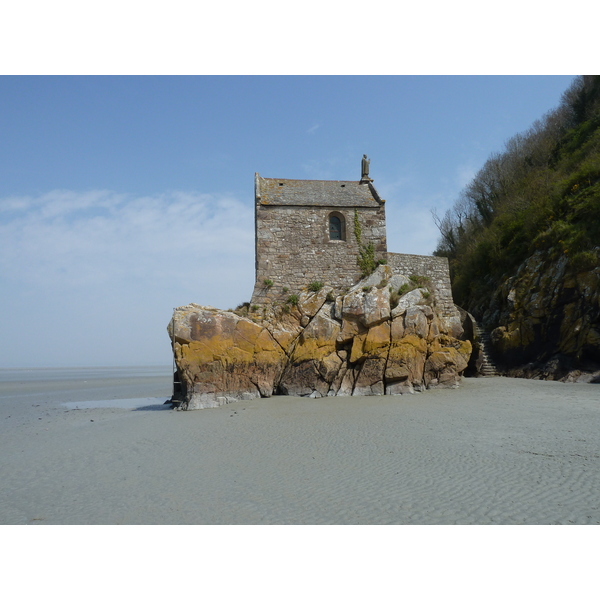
x=539 y=201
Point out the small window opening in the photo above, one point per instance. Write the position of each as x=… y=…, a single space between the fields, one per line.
x=280 y=183
x=343 y=185
x=335 y=228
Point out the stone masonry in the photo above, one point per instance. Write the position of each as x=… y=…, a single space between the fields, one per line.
x=436 y=269
x=294 y=245
x=293 y=239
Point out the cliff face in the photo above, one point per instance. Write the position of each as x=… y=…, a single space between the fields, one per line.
x=380 y=337
x=545 y=320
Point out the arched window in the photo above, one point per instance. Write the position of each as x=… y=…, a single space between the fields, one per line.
x=335 y=228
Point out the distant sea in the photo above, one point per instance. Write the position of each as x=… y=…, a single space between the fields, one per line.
x=88 y=386
x=76 y=373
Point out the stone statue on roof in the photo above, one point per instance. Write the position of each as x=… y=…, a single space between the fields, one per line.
x=364 y=167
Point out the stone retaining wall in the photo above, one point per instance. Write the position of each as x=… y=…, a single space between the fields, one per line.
x=436 y=268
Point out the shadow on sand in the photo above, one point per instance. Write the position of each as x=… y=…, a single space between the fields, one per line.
x=155 y=407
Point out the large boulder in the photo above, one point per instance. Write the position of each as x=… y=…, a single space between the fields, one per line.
x=222 y=357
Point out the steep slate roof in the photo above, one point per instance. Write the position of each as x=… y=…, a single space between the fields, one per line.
x=307 y=192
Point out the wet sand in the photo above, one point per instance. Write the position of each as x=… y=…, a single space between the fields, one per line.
x=496 y=451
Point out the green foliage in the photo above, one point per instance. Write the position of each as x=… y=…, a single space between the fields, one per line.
x=315 y=286
x=541 y=194
x=584 y=261
x=357 y=228
x=366 y=288
x=366 y=259
x=403 y=289
x=268 y=283
x=255 y=307
x=419 y=280
x=330 y=297
x=285 y=290
x=293 y=300
x=366 y=252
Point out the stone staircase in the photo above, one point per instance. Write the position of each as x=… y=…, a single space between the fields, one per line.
x=488 y=366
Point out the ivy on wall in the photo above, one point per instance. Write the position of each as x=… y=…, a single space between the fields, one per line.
x=366 y=252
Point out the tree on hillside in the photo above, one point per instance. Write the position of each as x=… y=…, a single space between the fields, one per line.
x=541 y=192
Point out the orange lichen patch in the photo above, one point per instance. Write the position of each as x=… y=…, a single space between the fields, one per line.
x=317 y=340
x=406 y=359
x=245 y=335
x=377 y=340
x=448 y=356
x=419 y=344
x=357 y=347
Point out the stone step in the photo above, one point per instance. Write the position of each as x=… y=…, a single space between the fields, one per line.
x=488 y=366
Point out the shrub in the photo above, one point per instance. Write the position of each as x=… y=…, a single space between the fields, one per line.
x=293 y=300
x=330 y=297
x=242 y=309
x=583 y=261
x=403 y=289
x=419 y=280
x=268 y=283
x=315 y=286
x=285 y=290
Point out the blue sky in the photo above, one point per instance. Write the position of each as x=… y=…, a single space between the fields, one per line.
x=124 y=197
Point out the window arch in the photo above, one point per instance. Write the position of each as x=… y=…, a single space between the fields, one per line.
x=337 y=226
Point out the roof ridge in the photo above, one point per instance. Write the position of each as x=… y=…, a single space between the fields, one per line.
x=316 y=180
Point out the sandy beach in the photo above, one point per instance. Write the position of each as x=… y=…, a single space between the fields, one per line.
x=495 y=451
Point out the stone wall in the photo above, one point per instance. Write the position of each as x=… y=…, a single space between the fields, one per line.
x=293 y=248
x=436 y=268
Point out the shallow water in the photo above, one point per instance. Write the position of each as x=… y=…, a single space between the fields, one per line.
x=126 y=403
x=36 y=394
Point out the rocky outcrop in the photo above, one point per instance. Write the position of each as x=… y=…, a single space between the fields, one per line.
x=369 y=341
x=545 y=321
x=222 y=357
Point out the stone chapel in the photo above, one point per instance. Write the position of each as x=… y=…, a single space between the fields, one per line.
x=307 y=231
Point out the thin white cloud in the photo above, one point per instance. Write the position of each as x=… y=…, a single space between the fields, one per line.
x=313 y=129
x=67 y=237
x=65 y=256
